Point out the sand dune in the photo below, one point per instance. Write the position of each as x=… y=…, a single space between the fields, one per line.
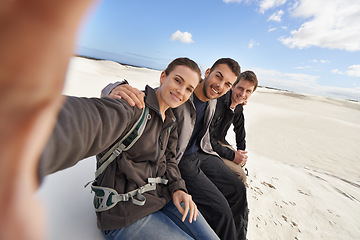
x=304 y=156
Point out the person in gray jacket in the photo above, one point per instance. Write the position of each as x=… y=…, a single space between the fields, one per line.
x=218 y=193
x=88 y=126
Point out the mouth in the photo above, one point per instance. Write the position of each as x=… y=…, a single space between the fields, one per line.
x=216 y=92
x=175 y=97
x=240 y=98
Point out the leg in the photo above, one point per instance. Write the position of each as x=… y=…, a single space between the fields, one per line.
x=36 y=44
x=209 y=200
x=154 y=226
x=236 y=168
x=231 y=187
x=198 y=229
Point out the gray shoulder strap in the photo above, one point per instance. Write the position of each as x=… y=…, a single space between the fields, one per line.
x=125 y=143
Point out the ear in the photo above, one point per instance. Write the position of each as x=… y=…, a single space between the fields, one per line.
x=207 y=72
x=162 y=77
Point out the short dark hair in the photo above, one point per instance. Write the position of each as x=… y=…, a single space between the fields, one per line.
x=248 y=76
x=183 y=61
x=232 y=64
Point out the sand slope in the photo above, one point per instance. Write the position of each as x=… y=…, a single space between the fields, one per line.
x=303 y=163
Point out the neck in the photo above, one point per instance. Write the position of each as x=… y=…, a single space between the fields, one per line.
x=199 y=92
x=162 y=105
x=232 y=105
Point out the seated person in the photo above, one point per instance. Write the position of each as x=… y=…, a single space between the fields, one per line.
x=88 y=126
x=229 y=110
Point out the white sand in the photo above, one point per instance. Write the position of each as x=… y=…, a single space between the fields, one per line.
x=304 y=155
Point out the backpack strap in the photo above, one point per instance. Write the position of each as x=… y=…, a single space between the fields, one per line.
x=106 y=198
x=125 y=143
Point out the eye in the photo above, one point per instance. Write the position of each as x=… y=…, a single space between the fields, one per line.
x=190 y=90
x=228 y=84
x=177 y=80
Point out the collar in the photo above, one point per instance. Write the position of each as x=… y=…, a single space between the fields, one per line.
x=152 y=102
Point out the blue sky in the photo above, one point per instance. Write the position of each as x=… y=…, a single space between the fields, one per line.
x=306 y=46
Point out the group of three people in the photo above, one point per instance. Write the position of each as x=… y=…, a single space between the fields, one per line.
x=175 y=145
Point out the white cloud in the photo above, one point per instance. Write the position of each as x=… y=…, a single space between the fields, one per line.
x=184 y=37
x=320 y=61
x=352 y=71
x=330 y=24
x=252 y=43
x=276 y=17
x=268 y=4
x=271 y=29
x=304 y=67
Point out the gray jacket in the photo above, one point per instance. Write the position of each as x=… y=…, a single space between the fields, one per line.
x=185 y=116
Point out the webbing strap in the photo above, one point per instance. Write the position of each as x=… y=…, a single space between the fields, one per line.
x=106 y=198
x=125 y=143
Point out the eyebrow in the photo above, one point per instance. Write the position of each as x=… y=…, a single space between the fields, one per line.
x=220 y=74
x=184 y=80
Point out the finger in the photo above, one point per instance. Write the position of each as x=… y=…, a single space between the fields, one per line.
x=191 y=212
x=127 y=98
x=115 y=96
x=140 y=97
x=186 y=210
x=178 y=206
x=137 y=98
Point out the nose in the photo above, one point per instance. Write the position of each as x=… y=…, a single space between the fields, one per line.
x=181 y=90
x=220 y=85
x=242 y=93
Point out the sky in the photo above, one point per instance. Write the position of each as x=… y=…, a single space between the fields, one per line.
x=304 y=46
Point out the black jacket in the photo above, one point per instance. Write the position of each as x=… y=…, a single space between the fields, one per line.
x=221 y=123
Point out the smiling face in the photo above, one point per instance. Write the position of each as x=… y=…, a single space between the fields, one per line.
x=241 y=92
x=177 y=86
x=216 y=82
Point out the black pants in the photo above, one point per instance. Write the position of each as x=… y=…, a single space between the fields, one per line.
x=218 y=193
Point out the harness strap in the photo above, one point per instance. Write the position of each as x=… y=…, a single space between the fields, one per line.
x=125 y=143
x=106 y=198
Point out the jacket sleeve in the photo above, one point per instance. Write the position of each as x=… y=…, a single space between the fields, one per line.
x=85 y=127
x=239 y=128
x=107 y=90
x=223 y=151
x=172 y=170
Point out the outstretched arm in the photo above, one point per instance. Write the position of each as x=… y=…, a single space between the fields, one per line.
x=36 y=44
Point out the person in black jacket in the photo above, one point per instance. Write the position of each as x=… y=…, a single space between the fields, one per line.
x=229 y=110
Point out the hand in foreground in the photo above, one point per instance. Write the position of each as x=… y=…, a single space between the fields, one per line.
x=240 y=157
x=180 y=196
x=132 y=95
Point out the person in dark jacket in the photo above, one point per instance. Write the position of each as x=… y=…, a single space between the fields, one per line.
x=229 y=110
x=88 y=126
